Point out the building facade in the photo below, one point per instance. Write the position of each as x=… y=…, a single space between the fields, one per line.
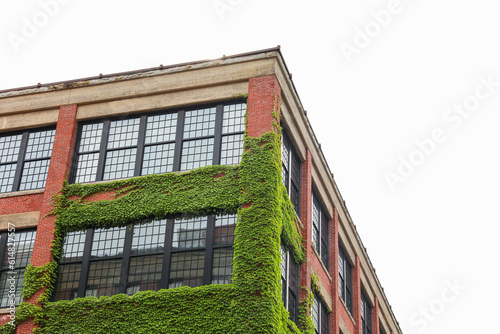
x=191 y=198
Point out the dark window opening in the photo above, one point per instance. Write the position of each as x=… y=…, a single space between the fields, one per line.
x=290 y=284
x=290 y=171
x=345 y=279
x=320 y=236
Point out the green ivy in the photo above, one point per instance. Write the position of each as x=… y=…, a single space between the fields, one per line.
x=251 y=304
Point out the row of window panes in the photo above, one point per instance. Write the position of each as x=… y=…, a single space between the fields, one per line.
x=24 y=159
x=94 y=262
x=290 y=284
x=320 y=236
x=319 y=314
x=290 y=171
x=160 y=143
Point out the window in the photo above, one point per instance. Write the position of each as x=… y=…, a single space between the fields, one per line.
x=345 y=279
x=154 y=255
x=366 y=315
x=290 y=284
x=320 y=316
x=24 y=159
x=159 y=143
x=320 y=237
x=15 y=251
x=290 y=171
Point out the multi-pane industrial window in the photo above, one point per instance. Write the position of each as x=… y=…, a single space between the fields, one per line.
x=24 y=159
x=366 y=315
x=154 y=255
x=290 y=171
x=15 y=251
x=345 y=279
x=320 y=237
x=320 y=316
x=160 y=143
x=290 y=284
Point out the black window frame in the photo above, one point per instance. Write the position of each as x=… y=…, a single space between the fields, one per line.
x=320 y=230
x=210 y=247
x=291 y=170
x=366 y=314
x=345 y=279
x=22 y=159
x=290 y=284
x=7 y=238
x=140 y=146
x=322 y=314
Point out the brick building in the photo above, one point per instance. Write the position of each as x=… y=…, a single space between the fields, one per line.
x=195 y=194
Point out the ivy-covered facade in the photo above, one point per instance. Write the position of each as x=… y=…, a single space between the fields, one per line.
x=184 y=199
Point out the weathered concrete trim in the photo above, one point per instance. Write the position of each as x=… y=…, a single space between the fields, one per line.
x=22 y=193
x=343 y=326
x=324 y=294
x=19 y=220
x=139 y=85
x=161 y=101
x=28 y=120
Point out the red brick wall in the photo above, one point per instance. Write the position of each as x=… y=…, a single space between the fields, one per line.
x=305 y=217
x=264 y=97
x=356 y=295
x=20 y=204
x=375 y=324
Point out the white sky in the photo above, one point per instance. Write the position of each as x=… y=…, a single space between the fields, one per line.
x=438 y=224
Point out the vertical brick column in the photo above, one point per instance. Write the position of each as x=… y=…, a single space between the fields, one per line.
x=306 y=217
x=375 y=324
x=334 y=272
x=264 y=98
x=60 y=163
x=356 y=295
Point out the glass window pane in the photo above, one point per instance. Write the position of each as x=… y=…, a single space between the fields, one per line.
x=7 y=173
x=40 y=144
x=149 y=237
x=199 y=123
x=9 y=148
x=222 y=266
x=224 y=230
x=186 y=268
x=5 y=286
x=190 y=233
x=90 y=139
x=104 y=278
x=108 y=242
x=158 y=159
x=144 y=273
x=123 y=133
x=231 y=149
x=73 y=245
x=34 y=174
x=119 y=164
x=23 y=245
x=67 y=283
x=197 y=153
x=234 y=118
x=86 y=167
x=161 y=128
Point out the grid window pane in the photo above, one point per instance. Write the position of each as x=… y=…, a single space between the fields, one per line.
x=104 y=278
x=149 y=238
x=23 y=245
x=40 y=144
x=324 y=320
x=144 y=273
x=34 y=174
x=5 y=287
x=186 y=268
x=108 y=242
x=234 y=118
x=123 y=133
x=231 y=150
x=190 y=233
x=222 y=266
x=197 y=153
x=73 y=245
x=316 y=314
x=68 y=279
x=9 y=148
x=199 y=123
x=158 y=159
x=224 y=230
x=161 y=128
x=7 y=173
x=119 y=164
x=86 y=167
x=90 y=139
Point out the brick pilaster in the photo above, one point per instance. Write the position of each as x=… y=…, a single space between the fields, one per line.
x=334 y=271
x=375 y=323
x=264 y=98
x=356 y=295
x=60 y=163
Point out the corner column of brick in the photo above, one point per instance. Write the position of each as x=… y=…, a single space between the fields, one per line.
x=60 y=163
x=334 y=272
x=356 y=295
x=375 y=323
x=264 y=98
x=305 y=217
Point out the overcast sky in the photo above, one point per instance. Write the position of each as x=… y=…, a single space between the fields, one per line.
x=404 y=97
